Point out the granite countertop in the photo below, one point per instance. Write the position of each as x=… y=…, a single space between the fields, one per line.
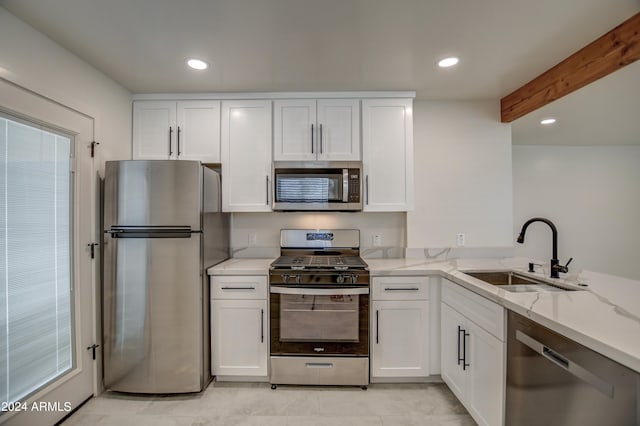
x=604 y=316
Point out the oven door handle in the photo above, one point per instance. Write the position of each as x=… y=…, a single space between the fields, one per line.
x=319 y=291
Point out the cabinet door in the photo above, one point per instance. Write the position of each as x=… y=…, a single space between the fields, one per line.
x=239 y=340
x=338 y=129
x=198 y=131
x=400 y=338
x=453 y=325
x=246 y=156
x=387 y=154
x=154 y=130
x=486 y=376
x=294 y=130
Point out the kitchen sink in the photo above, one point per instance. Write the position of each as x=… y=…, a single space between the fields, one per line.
x=515 y=282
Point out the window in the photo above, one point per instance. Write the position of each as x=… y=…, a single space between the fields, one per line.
x=36 y=310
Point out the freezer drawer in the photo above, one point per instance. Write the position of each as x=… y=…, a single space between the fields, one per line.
x=153 y=315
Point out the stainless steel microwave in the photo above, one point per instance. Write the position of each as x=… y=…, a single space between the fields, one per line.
x=317 y=186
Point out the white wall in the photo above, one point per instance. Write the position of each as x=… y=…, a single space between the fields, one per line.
x=462 y=175
x=31 y=60
x=390 y=226
x=591 y=194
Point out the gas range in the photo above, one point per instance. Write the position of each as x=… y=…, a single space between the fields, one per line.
x=319 y=257
x=319 y=309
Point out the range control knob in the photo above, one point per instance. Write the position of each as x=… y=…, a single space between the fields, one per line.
x=298 y=279
x=285 y=278
x=354 y=279
x=340 y=279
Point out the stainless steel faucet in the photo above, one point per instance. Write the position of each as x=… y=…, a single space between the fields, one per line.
x=555 y=264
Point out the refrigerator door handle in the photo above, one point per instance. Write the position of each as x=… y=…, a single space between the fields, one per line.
x=150 y=232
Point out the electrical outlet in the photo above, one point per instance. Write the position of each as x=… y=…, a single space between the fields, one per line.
x=377 y=240
x=253 y=238
x=460 y=239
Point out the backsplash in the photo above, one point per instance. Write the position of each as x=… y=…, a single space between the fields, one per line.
x=258 y=234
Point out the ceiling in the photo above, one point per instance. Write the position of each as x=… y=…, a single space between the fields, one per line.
x=323 y=45
x=605 y=112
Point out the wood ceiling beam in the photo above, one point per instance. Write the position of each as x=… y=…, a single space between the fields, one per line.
x=614 y=50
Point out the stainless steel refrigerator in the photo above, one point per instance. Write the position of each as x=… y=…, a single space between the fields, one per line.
x=163 y=227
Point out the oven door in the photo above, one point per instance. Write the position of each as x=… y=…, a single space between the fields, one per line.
x=319 y=321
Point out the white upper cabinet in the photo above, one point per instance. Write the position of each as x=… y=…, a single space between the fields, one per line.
x=310 y=129
x=338 y=129
x=198 y=131
x=387 y=154
x=170 y=130
x=246 y=156
x=294 y=130
x=153 y=127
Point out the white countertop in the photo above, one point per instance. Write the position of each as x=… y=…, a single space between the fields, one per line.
x=605 y=316
x=240 y=266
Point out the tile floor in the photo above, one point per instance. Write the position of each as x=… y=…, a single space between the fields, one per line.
x=234 y=404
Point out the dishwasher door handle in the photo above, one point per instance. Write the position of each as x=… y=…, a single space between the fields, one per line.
x=565 y=363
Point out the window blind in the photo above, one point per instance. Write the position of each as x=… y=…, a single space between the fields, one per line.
x=36 y=337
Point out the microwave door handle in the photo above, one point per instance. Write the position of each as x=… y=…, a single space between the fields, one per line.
x=345 y=185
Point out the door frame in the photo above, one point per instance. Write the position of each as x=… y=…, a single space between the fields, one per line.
x=73 y=388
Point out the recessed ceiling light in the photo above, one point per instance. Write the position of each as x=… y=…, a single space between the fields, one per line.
x=448 y=62
x=197 y=64
x=548 y=121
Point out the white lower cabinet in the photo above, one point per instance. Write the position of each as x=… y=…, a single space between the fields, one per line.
x=399 y=329
x=473 y=357
x=239 y=328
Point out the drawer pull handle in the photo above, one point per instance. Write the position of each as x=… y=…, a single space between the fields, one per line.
x=401 y=289
x=238 y=288
x=319 y=365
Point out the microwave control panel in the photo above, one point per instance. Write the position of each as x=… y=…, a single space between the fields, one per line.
x=354 y=185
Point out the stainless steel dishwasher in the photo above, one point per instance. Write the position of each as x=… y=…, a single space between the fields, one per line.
x=552 y=380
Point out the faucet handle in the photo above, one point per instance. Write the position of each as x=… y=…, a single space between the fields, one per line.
x=564 y=269
x=532 y=266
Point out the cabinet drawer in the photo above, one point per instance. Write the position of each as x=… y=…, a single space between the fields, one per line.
x=238 y=287
x=483 y=312
x=400 y=288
